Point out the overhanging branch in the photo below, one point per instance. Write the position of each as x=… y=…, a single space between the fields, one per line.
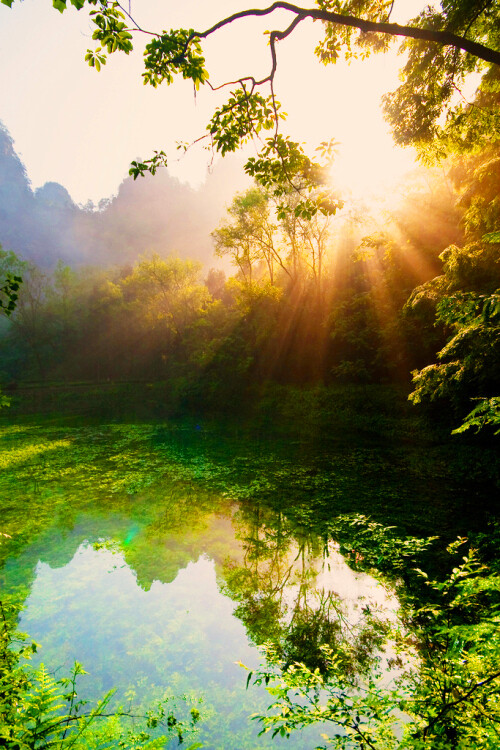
x=444 y=38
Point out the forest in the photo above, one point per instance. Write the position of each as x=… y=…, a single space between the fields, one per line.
x=257 y=498
x=361 y=298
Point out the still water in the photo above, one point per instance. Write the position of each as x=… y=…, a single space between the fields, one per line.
x=160 y=559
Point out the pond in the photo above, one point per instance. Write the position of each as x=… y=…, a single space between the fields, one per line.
x=162 y=556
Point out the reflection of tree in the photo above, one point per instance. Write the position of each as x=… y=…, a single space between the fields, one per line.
x=180 y=531
x=281 y=600
x=325 y=623
x=158 y=533
x=271 y=569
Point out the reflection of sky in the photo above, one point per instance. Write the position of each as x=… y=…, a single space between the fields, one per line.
x=142 y=589
x=330 y=574
x=356 y=589
x=179 y=618
x=158 y=613
x=180 y=635
x=354 y=593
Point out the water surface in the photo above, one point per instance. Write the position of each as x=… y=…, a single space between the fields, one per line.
x=159 y=557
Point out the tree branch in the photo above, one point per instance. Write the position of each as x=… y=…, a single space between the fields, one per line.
x=445 y=38
x=460 y=700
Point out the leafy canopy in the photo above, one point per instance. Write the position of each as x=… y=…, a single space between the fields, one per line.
x=466 y=299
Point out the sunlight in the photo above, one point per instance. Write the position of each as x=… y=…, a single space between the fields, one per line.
x=346 y=102
x=13 y=456
x=364 y=171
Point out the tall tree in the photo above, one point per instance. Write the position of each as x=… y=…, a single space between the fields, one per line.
x=466 y=299
x=265 y=235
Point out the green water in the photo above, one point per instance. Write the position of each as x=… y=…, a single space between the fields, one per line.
x=160 y=556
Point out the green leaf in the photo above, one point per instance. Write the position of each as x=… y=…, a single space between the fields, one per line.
x=492 y=237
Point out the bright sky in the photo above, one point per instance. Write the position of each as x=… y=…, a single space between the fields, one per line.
x=81 y=128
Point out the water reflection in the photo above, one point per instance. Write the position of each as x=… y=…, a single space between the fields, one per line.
x=133 y=557
x=168 y=589
x=293 y=589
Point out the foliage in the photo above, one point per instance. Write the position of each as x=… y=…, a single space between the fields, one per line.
x=470 y=361
x=8 y=296
x=11 y=271
x=8 y=293
x=487 y=412
x=433 y=78
x=38 y=710
x=465 y=297
x=176 y=485
x=446 y=697
x=376 y=546
x=284 y=169
x=162 y=321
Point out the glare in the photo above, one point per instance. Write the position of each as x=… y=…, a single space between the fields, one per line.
x=365 y=169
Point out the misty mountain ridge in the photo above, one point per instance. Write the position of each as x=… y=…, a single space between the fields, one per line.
x=151 y=214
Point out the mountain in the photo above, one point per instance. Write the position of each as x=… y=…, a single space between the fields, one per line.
x=152 y=214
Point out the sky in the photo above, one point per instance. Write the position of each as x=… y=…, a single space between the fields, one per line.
x=82 y=129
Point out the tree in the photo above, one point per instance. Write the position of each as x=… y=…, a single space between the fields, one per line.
x=466 y=300
x=31 y=319
x=10 y=281
x=287 y=244
x=248 y=238
x=165 y=298
x=444 y=45
x=168 y=291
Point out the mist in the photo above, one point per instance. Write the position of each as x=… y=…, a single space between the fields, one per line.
x=160 y=214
